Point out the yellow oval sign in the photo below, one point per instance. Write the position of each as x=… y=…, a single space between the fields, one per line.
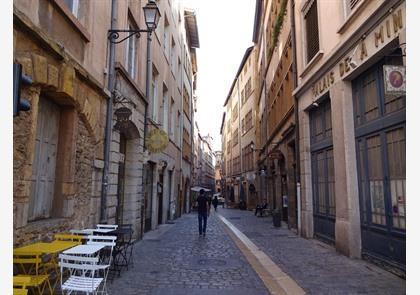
x=156 y=141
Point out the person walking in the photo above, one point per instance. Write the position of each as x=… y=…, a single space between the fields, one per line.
x=215 y=203
x=203 y=209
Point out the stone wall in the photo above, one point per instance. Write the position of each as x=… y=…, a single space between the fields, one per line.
x=57 y=77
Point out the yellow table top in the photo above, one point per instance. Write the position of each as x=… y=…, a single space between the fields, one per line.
x=45 y=248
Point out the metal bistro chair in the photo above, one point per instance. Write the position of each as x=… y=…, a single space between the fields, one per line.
x=106 y=257
x=82 y=274
x=69 y=237
x=106 y=226
x=33 y=272
x=20 y=283
x=124 y=248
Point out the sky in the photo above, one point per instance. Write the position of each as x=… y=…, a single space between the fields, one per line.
x=225 y=30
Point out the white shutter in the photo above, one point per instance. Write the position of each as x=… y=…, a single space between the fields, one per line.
x=43 y=170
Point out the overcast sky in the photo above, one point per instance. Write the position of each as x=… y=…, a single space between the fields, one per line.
x=225 y=32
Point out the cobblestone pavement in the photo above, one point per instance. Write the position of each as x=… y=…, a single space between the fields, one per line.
x=175 y=260
x=315 y=266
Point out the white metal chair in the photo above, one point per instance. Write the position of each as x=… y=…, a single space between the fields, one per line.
x=106 y=226
x=105 y=263
x=82 y=274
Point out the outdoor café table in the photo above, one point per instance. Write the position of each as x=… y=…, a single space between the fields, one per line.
x=41 y=248
x=91 y=231
x=87 y=250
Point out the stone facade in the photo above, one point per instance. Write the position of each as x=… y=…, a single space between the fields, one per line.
x=58 y=78
x=353 y=44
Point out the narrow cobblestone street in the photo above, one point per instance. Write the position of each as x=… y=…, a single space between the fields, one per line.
x=175 y=260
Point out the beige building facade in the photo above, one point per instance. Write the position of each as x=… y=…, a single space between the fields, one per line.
x=276 y=110
x=59 y=144
x=352 y=127
x=238 y=133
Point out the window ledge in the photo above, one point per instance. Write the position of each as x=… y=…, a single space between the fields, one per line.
x=312 y=63
x=72 y=19
x=352 y=16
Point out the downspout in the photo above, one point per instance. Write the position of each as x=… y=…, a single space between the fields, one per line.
x=109 y=111
x=181 y=129
x=240 y=137
x=146 y=110
x=296 y=113
x=192 y=137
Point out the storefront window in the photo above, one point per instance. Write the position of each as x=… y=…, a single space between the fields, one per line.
x=396 y=159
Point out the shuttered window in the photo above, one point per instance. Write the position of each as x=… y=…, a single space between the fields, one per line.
x=312 y=33
x=353 y=3
x=44 y=166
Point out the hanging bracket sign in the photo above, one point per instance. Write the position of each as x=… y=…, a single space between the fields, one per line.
x=156 y=141
x=394 y=79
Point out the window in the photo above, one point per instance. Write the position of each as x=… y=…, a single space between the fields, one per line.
x=173 y=55
x=166 y=37
x=248 y=121
x=172 y=119
x=165 y=111
x=186 y=103
x=247 y=158
x=312 y=33
x=247 y=89
x=73 y=5
x=350 y=5
x=235 y=138
x=154 y=95
x=131 y=55
x=178 y=129
x=235 y=113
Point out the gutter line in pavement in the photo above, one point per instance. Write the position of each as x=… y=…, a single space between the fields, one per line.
x=276 y=281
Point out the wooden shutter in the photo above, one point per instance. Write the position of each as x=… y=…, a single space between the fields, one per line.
x=353 y=3
x=312 y=34
x=43 y=173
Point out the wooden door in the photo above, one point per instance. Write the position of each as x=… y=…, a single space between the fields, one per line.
x=44 y=165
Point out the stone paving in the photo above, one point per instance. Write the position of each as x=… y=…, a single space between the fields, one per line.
x=175 y=260
x=315 y=266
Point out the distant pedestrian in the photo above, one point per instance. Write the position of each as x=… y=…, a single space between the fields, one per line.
x=261 y=207
x=215 y=203
x=203 y=208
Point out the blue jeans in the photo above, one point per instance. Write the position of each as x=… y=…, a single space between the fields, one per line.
x=202 y=217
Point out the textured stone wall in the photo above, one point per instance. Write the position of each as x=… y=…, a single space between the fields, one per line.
x=43 y=230
x=58 y=77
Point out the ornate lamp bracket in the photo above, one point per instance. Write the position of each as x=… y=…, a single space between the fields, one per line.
x=114 y=35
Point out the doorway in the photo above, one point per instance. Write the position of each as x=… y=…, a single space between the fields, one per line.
x=380 y=145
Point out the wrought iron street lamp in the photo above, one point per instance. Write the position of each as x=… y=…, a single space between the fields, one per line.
x=151 y=18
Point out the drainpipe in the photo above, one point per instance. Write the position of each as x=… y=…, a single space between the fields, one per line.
x=146 y=110
x=296 y=113
x=109 y=111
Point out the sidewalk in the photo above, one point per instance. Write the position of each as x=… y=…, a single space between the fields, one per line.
x=315 y=266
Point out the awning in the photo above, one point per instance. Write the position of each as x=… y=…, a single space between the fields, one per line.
x=198 y=188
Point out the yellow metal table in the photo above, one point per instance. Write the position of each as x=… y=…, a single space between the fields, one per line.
x=31 y=255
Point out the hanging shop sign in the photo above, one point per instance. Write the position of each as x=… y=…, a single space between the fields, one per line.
x=275 y=154
x=156 y=141
x=123 y=115
x=394 y=77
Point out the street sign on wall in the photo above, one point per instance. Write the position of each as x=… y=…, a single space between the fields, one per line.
x=394 y=77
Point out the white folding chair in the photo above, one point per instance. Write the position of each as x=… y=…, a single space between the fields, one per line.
x=108 y=242
x=106 y=226
x=82 y=274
